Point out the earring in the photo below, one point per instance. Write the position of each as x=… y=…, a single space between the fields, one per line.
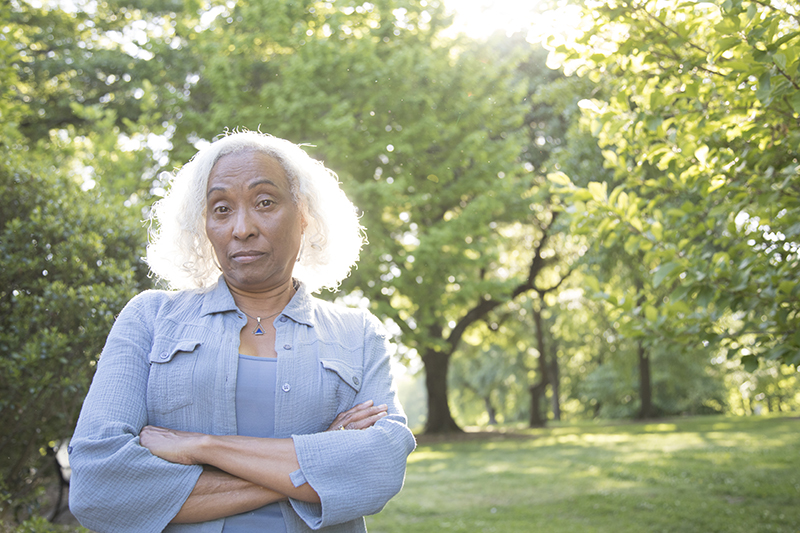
x=302 y=246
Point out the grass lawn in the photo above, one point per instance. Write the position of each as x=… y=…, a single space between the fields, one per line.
x=703 y=474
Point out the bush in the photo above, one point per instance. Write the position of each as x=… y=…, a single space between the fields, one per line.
x=68 y=263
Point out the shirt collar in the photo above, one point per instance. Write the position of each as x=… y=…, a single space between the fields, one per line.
x=300 y=308
x=218 y=299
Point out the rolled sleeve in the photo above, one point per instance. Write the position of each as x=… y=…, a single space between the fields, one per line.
x=117 y=484
x=356 y=472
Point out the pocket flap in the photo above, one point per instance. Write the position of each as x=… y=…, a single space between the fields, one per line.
x=165 y=349
x=346 y=373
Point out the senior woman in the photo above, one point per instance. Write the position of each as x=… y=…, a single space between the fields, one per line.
x=239 y=402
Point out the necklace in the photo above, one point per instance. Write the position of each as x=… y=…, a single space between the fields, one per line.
x=260 y=330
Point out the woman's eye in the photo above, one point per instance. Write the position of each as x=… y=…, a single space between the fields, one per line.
x=265 y=203
x=221 y=209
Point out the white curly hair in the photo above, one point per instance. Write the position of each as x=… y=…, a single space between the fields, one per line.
x=180 y=252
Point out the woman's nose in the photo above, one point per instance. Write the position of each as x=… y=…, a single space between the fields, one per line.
x=243 y=226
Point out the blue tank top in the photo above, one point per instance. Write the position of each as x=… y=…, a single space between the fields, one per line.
x=255 y=417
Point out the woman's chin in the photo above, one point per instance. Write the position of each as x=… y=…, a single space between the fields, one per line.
x=254 y=279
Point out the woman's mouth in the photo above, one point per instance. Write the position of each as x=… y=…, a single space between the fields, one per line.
x=247 y=256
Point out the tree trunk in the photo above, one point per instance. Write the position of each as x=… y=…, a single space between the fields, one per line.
x=538 y=419
x=555 y=384
x=491 y=411
x=645 y=384
x=439 y=418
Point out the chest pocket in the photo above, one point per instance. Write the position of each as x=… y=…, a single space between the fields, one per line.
x=341 y=380
x=171 y=382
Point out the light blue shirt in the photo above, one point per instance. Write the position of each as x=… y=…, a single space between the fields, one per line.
x=171 y=360
x=255 y=417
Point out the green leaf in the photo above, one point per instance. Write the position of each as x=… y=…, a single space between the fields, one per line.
x=704 y=297
x=654 y=122
x=725 y=44
x=599 y=191
x=787 y=286
x=622 y=201
x=764 y=87
x=728 y=25
x=664 y=271
x=794 y=100
x=657 y=230
x=750 y=363
x=680 y=293
x=559 y=178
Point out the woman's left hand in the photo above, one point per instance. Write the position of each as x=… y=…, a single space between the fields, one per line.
x=361 y=416
x=169 y=444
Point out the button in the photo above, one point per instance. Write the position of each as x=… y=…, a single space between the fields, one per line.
x=286 y=387
x=355 y=380
x=283 y=319
x=287 y=346
x=69 y=449
x=165 y=355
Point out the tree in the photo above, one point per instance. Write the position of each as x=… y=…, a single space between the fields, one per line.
x=121 y=56
x=70 y=231
x=69 y=263
x=424 y=133
x=488 y=382
x=701 y=128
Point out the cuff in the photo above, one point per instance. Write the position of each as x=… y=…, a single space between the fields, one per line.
x=298 y=478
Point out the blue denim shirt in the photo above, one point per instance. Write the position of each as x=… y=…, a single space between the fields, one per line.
x=171 y=360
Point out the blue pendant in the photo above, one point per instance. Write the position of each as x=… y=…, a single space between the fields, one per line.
x=259 y=330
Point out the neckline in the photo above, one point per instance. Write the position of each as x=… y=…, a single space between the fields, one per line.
x=256 y=358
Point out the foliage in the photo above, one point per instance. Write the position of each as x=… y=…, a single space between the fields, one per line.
x=489 y=384
x=683 y=383
x=424 y=133
x=115 y=55
x=701 y=129
x=69 y=263
x=551 y=140
x=772 y=388
x=39 y=525
x=68 y=257
x=686 y=240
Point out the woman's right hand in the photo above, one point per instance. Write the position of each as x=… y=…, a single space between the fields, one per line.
x=170 y=444
x=361 y=416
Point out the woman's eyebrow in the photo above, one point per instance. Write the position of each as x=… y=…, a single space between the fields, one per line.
x=251 y=186
x=264 y=181
x=212 y=189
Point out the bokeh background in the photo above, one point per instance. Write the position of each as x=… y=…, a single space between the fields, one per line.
x=576 y=211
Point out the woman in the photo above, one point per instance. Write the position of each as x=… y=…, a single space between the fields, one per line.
x=240 y=402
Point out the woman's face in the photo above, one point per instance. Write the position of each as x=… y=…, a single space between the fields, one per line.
x=252 y=220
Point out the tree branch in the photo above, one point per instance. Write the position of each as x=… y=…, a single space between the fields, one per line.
x=404 y=327
x=485 y=306
x=672 y=30
x=768 y=5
